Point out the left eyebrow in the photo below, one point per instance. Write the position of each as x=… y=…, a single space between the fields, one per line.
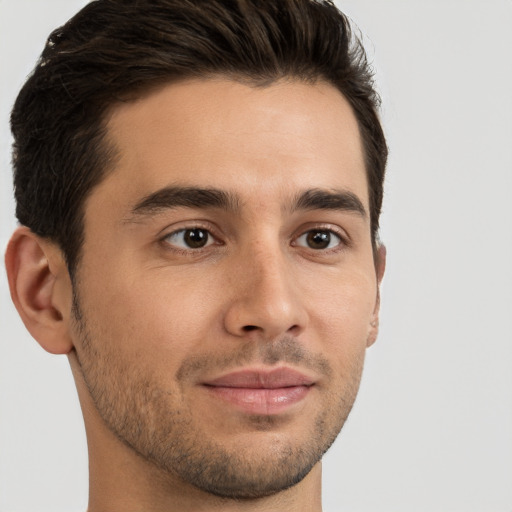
x=320 y=199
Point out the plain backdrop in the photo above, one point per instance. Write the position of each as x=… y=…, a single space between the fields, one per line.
x=431 y=430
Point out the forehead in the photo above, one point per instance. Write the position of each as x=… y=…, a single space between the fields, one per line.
x=251 y=140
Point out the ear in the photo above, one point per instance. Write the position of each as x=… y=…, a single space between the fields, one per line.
x=380 y=267
x=40 y=289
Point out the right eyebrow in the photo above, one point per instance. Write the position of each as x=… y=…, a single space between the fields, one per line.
x=188 y=197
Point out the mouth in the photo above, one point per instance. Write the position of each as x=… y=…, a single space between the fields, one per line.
x=261 y=392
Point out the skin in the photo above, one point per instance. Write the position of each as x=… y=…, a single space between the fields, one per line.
x=152 y=319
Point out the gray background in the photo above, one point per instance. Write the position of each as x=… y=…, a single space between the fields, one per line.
x=432 y=427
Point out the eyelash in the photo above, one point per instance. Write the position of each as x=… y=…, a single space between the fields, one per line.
x=343 y=240
x=324 y=231
x=211 y=240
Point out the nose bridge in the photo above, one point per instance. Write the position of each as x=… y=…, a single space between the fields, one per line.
x=265 y=297
x=269 y=278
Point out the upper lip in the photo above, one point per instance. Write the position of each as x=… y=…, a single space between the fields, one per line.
x=262 y=379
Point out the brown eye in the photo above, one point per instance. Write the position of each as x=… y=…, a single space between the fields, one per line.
x=319 y=239
x=195 y=238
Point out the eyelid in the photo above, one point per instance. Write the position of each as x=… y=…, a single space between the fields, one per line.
x=186 y=226
x=337 y=239
x=209 y=241
x=335 y=230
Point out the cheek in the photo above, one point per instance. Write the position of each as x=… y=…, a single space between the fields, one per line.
x=342 y=314
x=153 y=316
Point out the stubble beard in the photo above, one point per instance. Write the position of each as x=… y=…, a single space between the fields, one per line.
x=161 y=428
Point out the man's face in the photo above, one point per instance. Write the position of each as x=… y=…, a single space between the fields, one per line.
x=227 y=288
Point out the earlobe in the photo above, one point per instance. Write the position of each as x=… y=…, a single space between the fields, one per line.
x=380 y=267
x=40 y=289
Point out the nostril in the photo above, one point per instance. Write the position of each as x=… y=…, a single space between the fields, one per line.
x=249 y=328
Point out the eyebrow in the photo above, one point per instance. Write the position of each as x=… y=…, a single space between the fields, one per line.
x=320 y=199
x=188 y=197
x=169 y=198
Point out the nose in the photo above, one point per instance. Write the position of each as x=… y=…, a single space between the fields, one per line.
x=265 y=301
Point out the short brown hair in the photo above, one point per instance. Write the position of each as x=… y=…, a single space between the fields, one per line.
x=114 y=49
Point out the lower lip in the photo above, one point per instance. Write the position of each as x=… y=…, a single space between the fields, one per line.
x=260 y=401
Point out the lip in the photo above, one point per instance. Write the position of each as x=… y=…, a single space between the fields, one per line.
x=261 y=392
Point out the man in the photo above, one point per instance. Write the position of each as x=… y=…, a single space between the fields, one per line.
x=199 y=186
